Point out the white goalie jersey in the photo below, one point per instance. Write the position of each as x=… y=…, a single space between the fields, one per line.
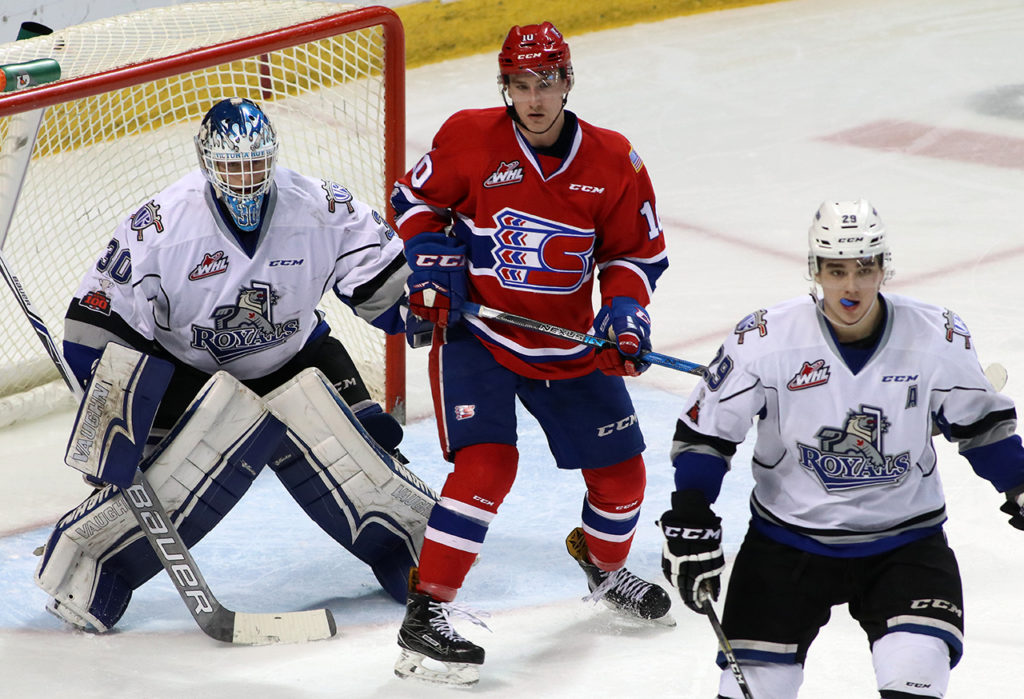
x=841 y=458
x=175 y=274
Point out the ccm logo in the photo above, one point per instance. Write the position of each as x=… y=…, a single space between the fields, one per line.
x=693 y=534
x=622 y=424
x=586 y=188
x=851 y=240
x=425 y=260
x=899 y=379
x=285 y=263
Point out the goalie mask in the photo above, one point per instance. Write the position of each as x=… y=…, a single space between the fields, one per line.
x=237 y=149
x=845 y=230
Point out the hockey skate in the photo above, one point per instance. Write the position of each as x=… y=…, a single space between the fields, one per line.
x=620 y=590
x=427 y=635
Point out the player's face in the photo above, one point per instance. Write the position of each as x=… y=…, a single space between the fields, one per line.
x=243 y=177
x=850 y=289
x=537 y=98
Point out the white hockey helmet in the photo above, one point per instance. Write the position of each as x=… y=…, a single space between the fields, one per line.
x=847 y=230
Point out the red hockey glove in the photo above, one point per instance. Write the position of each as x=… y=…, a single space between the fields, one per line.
x=437 y=285
x=626 y=322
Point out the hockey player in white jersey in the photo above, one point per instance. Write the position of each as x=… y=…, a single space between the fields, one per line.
x=847 y=505
x=221 y=274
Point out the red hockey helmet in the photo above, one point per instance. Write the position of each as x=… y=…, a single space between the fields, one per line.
x=534 y=48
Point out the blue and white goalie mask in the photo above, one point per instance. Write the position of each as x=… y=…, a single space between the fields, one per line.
x=237 y=149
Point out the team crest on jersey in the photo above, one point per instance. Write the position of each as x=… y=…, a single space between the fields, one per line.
x=852 y=456
x=212 y=264
x=145 y=217
x=507 y=173
x=811 y=374
x=754 y=321
x=245 y=327
x=537 y=254
x=955 y=326
x=336 y=194
x=464 y=412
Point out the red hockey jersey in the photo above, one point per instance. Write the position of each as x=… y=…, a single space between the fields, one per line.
x=535 y=228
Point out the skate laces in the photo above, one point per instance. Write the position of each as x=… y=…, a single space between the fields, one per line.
x=620 y=583
x=444 y=612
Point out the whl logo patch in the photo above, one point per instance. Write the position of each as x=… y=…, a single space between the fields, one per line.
x=211 y=265
x=811 y=374
x=507 y=173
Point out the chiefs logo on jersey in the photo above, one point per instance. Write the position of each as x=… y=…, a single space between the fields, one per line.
x=538 y=254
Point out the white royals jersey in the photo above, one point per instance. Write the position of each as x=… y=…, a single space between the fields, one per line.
x=846 y=458
x=174 y=273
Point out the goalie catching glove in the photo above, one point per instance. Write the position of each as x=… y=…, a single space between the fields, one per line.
x=692 y=556
x=628 y=323
x=437 y=284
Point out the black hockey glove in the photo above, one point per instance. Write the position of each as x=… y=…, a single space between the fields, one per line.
x=692 y=556
x=1014 y=506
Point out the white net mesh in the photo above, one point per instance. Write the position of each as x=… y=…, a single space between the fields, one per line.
x=98 y=158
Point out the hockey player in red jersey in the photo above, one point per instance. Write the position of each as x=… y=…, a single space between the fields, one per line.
x=517 y=208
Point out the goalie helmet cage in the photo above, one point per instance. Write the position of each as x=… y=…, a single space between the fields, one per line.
x=118 y=128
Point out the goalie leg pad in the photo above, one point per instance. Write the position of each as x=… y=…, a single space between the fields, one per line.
x=364 y=499
x=115 y=416
x=97 y=554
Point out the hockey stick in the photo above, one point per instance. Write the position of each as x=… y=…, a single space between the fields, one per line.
x=724 y=645
x=475 y=309
x=213 y=618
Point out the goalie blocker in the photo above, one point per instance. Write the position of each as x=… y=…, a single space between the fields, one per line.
x=373 y=506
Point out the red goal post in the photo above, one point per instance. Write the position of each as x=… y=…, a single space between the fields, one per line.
x=118 y=127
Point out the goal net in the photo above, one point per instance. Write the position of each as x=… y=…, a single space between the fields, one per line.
x=118 y=127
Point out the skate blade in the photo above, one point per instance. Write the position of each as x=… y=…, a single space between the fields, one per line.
x=665 y=620
x=419 y=667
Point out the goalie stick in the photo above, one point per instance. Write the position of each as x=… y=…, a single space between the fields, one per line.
x=475 y=309
x=213 y=618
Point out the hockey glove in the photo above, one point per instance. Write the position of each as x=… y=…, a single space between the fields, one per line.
x=692 y=556
x=437 y=285
x=1014 y=506
x=626 y=322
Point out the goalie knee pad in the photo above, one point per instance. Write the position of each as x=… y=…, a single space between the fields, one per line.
x=97 y=554
x=355 y=491
x=775 y=680
x=911 y=664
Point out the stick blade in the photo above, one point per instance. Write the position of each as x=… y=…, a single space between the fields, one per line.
x=289 y=627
